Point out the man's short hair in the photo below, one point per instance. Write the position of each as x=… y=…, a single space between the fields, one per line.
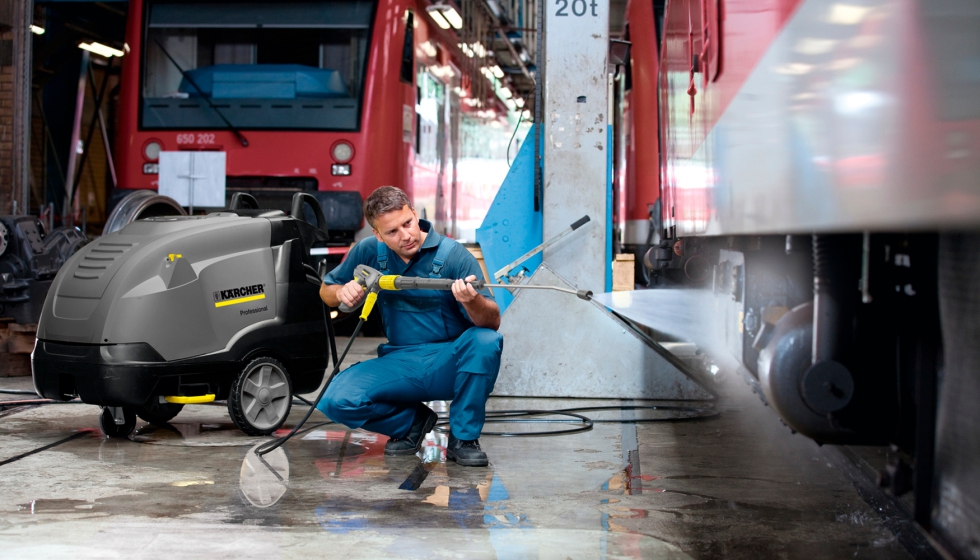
x=384 y=200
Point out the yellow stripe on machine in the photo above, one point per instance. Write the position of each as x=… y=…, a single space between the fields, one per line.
x=238 y=300
x=191 y=400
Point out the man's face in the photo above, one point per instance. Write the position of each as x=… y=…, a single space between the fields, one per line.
x=399 y=230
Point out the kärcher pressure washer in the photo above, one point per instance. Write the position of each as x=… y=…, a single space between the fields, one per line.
x=179 y=310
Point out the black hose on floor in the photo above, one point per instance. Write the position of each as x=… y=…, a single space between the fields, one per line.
x=276 y=443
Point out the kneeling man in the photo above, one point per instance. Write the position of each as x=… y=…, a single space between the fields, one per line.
x=441 y=345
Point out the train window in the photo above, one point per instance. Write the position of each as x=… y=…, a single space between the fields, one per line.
x=265 y=65
x=408 y=50
x=429 y=119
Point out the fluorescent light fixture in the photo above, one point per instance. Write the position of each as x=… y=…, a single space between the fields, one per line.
x=809 y=45
x=497 y=71
x=857 y=102
x=452 y=16
x=504 y=93
x=794 y=69
x=445 y=16
x=847 y=14
x=100 y=49
x=37 y=30
x=518 y=101
x=436 y=16
x=844 y=63
x=479 y=50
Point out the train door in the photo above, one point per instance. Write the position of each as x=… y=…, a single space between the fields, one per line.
x=430 y=143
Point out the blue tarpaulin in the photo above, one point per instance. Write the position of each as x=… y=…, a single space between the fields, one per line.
x=264 y=81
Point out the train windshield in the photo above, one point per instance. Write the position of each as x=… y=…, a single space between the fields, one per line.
x=260 y=65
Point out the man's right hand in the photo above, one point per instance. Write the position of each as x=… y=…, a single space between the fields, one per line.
x=351 y=294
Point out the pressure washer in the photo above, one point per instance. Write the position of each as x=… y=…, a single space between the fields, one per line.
x=176 y=310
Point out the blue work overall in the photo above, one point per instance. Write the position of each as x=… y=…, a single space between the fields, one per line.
x=434 y=353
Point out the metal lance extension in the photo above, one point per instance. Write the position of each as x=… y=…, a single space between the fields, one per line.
x=372 y=281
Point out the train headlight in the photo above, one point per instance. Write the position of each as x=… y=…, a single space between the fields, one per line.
x=342 y=152
x=151 y=150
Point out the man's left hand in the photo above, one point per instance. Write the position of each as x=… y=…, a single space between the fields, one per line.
x=463 y=291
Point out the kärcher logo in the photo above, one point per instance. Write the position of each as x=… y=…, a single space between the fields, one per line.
x=235 y=293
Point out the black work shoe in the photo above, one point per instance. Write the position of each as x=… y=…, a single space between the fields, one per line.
x=425 y=420
x=466 y=453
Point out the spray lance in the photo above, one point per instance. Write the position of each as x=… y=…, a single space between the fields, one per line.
x=373 y=282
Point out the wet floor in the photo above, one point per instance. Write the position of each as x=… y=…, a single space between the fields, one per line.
x=735 y=485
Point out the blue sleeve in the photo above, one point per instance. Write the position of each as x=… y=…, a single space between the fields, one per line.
x=364 y=252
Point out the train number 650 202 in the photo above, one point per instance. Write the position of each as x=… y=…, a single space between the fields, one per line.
x=579 y=8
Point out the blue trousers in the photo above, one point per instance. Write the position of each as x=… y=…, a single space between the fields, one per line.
x=382 y=395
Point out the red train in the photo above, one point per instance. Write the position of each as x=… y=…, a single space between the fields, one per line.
x=331 y=97
x=817 y=169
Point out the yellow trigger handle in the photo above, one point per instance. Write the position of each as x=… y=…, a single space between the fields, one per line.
x=368 y=304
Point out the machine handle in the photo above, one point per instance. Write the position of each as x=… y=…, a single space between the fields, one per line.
x=241 y=201
x=296 y=210
x=580 y=222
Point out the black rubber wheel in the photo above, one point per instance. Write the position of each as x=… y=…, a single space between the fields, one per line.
x=260 y=397
x=113 y=430
x=158 y=413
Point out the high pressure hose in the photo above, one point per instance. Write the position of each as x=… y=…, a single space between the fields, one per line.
x=276 y=443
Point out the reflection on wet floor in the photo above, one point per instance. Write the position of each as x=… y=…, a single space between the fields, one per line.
x=736 y=486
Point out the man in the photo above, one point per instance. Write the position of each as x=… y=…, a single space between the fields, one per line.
x=441 y=345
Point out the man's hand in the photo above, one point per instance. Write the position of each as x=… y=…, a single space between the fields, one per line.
x=482 y=311
x=463 y=291
x=349 y=294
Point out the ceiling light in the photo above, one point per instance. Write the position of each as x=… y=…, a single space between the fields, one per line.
x=445 y=16
x=100 y=49
x=809 y=45
x=518 y=101
x=794 y=69
x=452 y=16
x=37 y=30
x=437 y=17
x=497 y=71
x=847 y=14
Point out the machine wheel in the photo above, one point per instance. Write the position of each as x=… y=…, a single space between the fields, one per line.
x=113 y=430
x=156 y=412
x=260 y=397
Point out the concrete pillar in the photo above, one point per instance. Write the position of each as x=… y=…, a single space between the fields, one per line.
x=576 y=149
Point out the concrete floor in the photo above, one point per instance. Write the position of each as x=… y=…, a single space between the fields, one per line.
x=738 y=485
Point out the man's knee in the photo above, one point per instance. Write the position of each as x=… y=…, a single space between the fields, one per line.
x=484 y=340
x=336 y=404
x=478 y=351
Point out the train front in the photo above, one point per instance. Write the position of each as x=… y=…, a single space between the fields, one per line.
x=282 y=89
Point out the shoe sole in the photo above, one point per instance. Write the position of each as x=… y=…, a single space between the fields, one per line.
x=467 y=463
x=426 y=428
